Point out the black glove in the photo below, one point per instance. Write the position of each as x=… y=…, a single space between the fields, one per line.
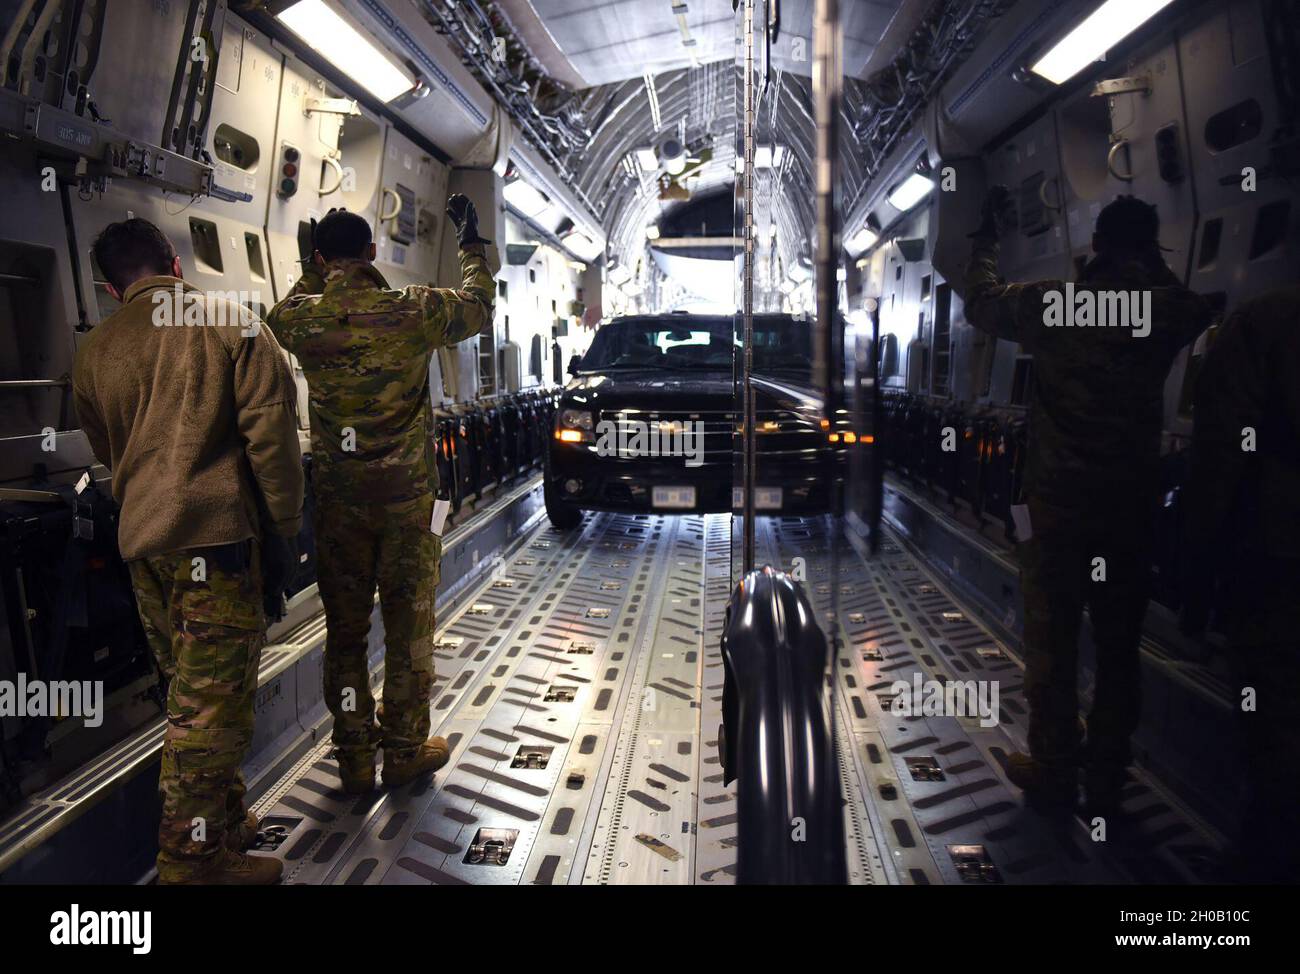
x=996 y=214
x=464 y=218
x=279 y=565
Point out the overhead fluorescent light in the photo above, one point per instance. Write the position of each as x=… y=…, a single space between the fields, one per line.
x=524 y=198
x=582 y=245
x=768 y=157
x=646 y=158
x=347 y=48
x=652 y=232
x=910 y=191
x=861 y=242
x=1109 y=24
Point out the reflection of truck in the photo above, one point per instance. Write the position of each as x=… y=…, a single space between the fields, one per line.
x=649 y=422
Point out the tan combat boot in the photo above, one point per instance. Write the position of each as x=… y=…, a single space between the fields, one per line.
x=356 y=771
x=243 y=836
x=429 y=756
x=1047 y=787
x=226 y=868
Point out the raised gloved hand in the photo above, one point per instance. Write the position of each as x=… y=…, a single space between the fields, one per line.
x=464 y=218
x=279 y=565
x=997 y=213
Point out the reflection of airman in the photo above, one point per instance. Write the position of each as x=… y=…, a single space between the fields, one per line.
x=365 y=350
x=1092 y=477
x=1244 y=519
x=176 y=447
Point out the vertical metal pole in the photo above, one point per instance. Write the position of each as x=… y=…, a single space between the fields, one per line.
x=747 y=288
x=827 y=84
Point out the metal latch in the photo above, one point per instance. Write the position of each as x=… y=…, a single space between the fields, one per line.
x=925 y=768
x=973 y=864
x=532 y=757
x=559 y=694
x=332 y=106
x=1122 y=86
x=491 y=847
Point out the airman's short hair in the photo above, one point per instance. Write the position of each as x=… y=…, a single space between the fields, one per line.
x=130 y=250
x=1128 y=223
x=342 y=235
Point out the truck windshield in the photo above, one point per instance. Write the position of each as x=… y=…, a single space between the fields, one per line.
x=782 y=345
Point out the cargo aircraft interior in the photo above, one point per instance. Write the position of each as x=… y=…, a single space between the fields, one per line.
x=784 y=536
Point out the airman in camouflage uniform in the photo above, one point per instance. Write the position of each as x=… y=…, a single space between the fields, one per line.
x=210 y=665
x=1243 y=525
x=365 y=350
x=1091 y=485
x=208 y=475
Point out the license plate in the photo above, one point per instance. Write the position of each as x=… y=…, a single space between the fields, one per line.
x=765 y=498
x=675 y=498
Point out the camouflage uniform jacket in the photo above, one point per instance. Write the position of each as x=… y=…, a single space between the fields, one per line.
x=365 y=350
x=1250 y=382
x=1096 y=399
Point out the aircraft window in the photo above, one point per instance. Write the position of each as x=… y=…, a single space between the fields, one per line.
x=236 y=148
x=942 y=340
x=1234 y=126
x=1210 y=238
x=1020 y=381
x=502 y=289
x=535 y=366
x=1270 y=228
x=889 y=365
x=487 y=374
x=256 y=266
x=207 y=245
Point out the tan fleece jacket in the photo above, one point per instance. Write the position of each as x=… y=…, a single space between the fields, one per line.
x=188 y=400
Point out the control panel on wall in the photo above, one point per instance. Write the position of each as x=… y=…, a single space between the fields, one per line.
x=290 y=159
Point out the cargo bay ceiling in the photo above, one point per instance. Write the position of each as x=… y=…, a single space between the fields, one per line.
x=631 y=105
x=600 y=87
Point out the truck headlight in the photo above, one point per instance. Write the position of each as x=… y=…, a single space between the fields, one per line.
x=575 y=426
x=576 y=419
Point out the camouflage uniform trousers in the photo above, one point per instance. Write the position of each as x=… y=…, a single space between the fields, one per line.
x=202 y=615
x=360 y=546
x=1057 y=581
x=1263 y=630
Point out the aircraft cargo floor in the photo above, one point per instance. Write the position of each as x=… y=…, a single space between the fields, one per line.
x=581 y=686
